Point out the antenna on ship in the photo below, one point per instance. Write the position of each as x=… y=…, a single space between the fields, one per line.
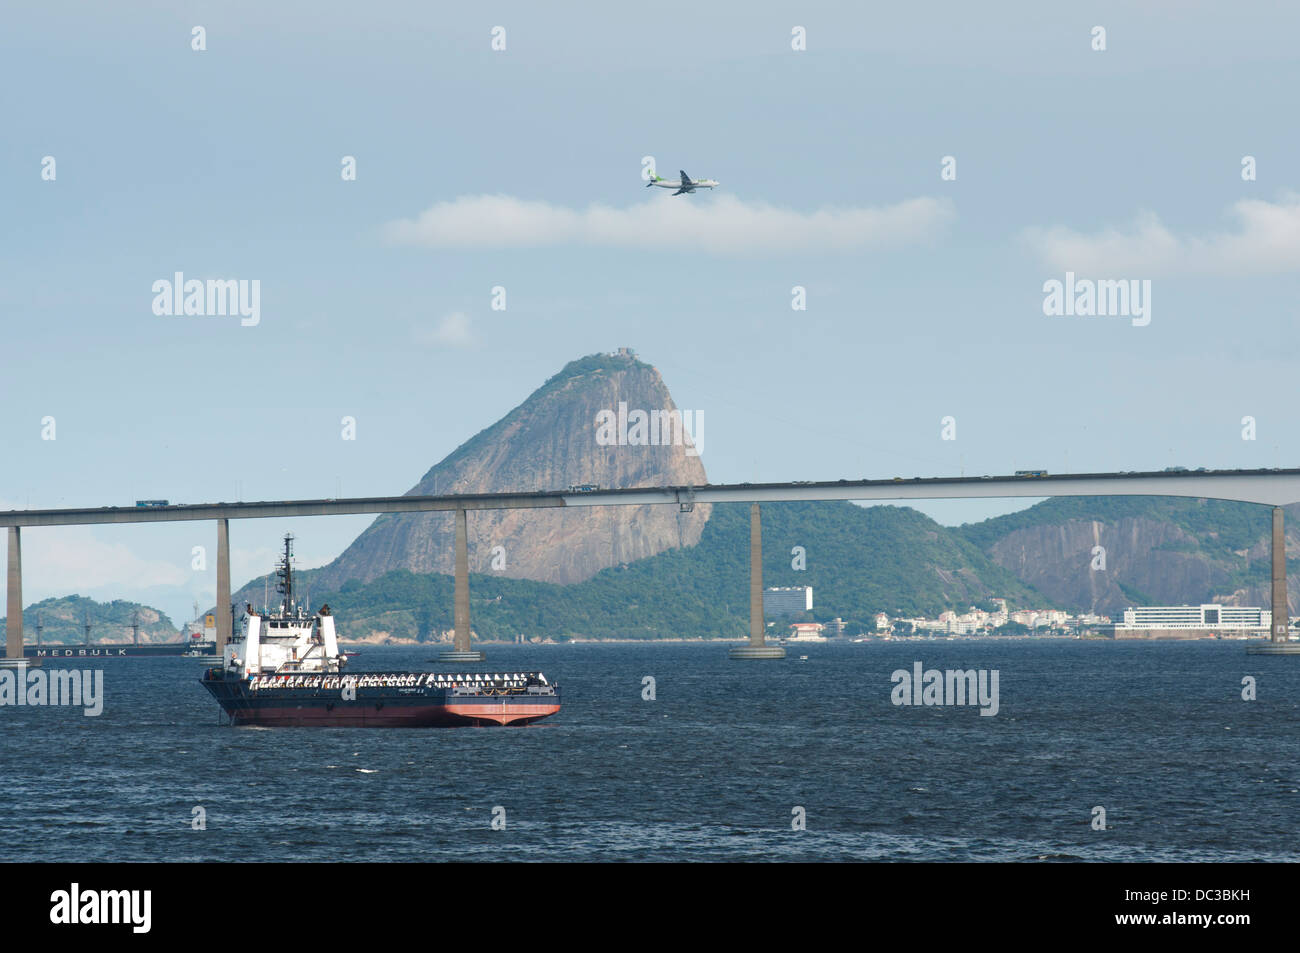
x=40 y=624
x=285 y=572
x=85 y=621
x=135 y=627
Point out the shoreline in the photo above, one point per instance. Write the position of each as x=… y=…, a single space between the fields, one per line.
x=411 y=643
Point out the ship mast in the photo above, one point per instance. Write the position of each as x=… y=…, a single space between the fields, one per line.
x=285 y=572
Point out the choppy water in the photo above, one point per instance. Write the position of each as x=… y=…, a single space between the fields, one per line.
x=1156 y=734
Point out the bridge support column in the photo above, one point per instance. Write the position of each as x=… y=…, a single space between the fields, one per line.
x=757 y=647
x=223 y=586
x=14 y=605
x=460 y=648
x=1278 y=643
x=1281 y=606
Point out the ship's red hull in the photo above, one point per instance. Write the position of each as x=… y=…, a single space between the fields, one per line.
x=409 y=716
x=384 y=699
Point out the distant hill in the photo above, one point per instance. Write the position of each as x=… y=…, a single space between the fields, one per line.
x=859 y=561
x=63 y=620
x=1158 y=550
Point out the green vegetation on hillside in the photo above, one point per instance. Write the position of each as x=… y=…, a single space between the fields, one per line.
x=859 y=561
x=63 y=620
x=1220 y=530
x=1216 y=523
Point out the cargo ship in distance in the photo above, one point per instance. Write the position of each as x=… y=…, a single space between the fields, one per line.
x=198 y=644
x=285 y=669
x=110 y=650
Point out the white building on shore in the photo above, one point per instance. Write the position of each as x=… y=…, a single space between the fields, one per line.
x=787 y=601
x=807 y=632
x=1193 y=622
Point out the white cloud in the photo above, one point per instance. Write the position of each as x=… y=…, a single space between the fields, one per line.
x=66 y=559
x=720 y=224
x=1266 y=241
x=452 y=330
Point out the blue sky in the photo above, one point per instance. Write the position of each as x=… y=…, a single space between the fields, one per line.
x=925 y=296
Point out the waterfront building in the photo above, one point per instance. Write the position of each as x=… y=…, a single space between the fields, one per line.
x=787 y=601
x=807 y=632
x=1193 y=622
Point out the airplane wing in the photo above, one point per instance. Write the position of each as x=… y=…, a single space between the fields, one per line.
x=686 y=179
x=681 y=190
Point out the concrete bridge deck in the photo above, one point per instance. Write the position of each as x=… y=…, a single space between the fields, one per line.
x=1275 y=488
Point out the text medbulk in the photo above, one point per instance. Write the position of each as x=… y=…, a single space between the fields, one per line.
x=951 y=687
x=1105 y=298
x=102 y=906
x=216 y=296
x=53 y=687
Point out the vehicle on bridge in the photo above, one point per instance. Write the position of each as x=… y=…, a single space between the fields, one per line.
x=152 y=503
x=584 y=487
x=1031 y=473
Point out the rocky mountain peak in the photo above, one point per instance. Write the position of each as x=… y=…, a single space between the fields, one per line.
x=592 y=423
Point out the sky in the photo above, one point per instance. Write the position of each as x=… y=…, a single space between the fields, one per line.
x=1170 y=158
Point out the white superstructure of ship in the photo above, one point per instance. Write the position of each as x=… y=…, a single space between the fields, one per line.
x=288 y=640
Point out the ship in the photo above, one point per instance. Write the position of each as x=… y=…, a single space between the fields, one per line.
x=284 y=668
x=198 y=643
x=202 y=641
x=111 y=650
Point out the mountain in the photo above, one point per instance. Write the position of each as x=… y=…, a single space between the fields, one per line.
x=63 y=620
x=858 y=561
x=548 y=442
x=1158 y=551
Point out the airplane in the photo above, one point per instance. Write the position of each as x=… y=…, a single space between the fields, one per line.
x=683 y=185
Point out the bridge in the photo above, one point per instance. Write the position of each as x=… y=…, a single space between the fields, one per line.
x=1275 y=488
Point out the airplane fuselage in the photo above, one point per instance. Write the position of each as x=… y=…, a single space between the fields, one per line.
x=691 y=186
x=683 y=184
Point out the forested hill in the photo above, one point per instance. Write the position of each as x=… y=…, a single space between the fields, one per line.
x=1157 y=551
x=858 y=560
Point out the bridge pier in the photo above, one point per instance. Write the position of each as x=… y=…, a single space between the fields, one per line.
x=460 y=647
x=757 y=647
x=1278 y=643
x=223 y=586
x=14 y=605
